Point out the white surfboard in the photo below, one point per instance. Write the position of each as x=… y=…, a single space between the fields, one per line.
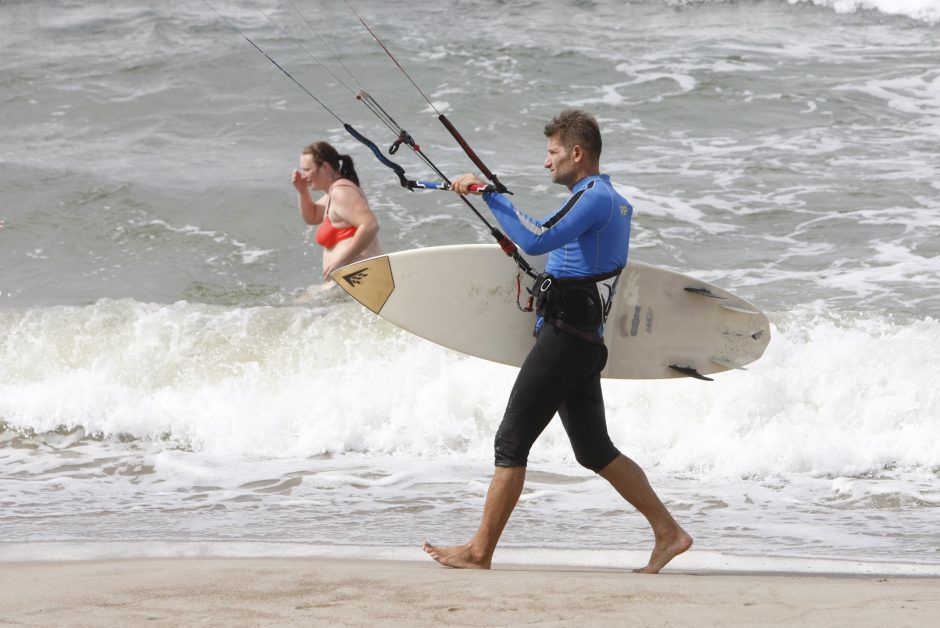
x=663 y=324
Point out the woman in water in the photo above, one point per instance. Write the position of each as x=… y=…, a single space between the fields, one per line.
x=348 y=228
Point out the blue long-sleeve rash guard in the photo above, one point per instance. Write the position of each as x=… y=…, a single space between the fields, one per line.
x=589 y=234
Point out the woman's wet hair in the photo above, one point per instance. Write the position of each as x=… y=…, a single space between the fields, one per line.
x=324 y=153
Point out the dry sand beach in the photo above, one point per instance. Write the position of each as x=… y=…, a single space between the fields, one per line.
x=331 y=592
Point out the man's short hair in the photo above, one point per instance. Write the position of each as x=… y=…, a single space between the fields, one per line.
x=576 y=127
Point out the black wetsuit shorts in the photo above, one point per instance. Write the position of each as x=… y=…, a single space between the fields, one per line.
x=561 y=374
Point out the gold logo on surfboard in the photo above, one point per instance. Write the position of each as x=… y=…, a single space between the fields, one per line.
x=357 y=277
x=370 y=281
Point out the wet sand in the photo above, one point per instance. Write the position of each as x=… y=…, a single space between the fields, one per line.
x=334 y=592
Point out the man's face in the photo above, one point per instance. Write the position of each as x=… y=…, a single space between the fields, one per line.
x=560 y=160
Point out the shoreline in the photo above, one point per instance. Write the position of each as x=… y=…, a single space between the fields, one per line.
x=351 y=592
x=699 y=561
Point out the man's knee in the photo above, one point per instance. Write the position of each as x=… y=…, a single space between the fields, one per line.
x=510 y=449
x=595 y=456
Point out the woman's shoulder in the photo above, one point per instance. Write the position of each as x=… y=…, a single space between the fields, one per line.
x=346 y=191
x=347 y=184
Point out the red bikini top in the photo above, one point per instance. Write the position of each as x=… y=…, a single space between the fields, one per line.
x=329 y=236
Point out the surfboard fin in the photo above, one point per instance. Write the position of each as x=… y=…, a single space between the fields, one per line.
x=705 y=292
x=728 y=364
x=735 y=308
x=690 y=371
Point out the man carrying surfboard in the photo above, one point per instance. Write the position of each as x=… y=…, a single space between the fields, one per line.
x=587 y=241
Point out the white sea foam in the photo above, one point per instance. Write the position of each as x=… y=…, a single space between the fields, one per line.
x=694 y=219
x=123 y=414
x=293 y=382
x=924 y=10
x=916 y=94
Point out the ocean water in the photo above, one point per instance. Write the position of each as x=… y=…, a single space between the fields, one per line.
x=167 y=388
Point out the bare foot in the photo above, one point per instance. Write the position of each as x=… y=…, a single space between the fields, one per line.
x=667 y=548
x=458 y=557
